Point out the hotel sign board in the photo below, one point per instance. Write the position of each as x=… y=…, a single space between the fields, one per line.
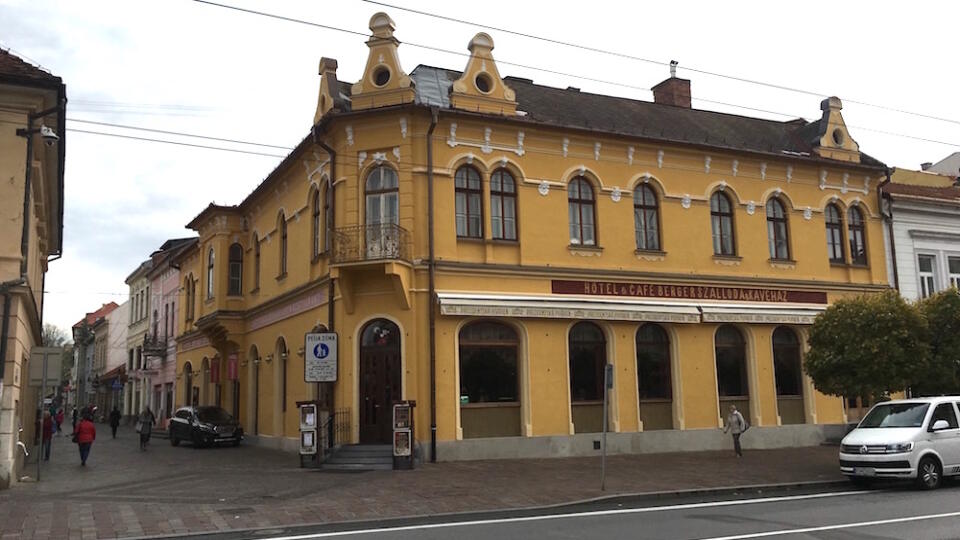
x=639 y=289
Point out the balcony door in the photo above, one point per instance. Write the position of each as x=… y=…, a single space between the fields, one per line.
x=381 y=231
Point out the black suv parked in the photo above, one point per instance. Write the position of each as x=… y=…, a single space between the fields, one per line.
x=204 y=426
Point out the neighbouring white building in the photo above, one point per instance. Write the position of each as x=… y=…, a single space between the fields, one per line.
x=924 y=210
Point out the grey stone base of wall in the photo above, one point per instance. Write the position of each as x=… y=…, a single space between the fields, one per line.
x=285 y=444
x=648 y=442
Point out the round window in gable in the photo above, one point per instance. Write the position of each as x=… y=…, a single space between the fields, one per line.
x=838 y=137
x=484 y=83
x=381 y=75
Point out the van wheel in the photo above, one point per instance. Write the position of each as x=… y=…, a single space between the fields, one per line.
x=929 y=473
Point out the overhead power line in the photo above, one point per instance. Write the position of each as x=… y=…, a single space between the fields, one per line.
x=178 y=133
x=177 y=143
x=656 y=62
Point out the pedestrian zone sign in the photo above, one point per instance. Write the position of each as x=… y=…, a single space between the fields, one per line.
x=320 y=357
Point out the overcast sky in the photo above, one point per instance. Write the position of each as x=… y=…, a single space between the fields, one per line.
x=183 y=66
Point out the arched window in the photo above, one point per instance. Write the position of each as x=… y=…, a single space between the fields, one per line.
x=315 y=224
x=282 y=230
x=469 y=197
x=653 y=363
x=858 y=245
x=580 y=204
x=381 y=196
x=646 y=220
x=503 y=205
x=587 y=358
x=256 y=262
x=488 y=363
x=721 y=220
x=188 y=305
x=834 y=221
x=210 y=273
x=731 y=350
x=327 y=217
x=235 y=270
x=777 y=239
x=786 y=362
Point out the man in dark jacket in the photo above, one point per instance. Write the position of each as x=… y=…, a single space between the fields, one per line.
x=114 y=421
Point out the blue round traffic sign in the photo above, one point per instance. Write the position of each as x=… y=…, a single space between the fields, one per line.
x=321 y=350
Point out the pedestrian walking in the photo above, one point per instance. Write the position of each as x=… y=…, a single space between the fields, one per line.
x=59 y=420
x=114 y=420
x=73 y=418
x=84 y=436
x=48 y=427
x=737 y=426
x=144 y=426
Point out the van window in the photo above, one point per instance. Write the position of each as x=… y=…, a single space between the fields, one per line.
x=944 y=411
x=896 y=415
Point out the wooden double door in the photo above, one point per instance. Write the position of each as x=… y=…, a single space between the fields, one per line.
x=380 y=380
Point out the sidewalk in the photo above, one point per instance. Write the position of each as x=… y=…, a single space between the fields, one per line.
x=127 y=493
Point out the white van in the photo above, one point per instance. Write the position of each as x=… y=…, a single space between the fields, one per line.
x=909 y=438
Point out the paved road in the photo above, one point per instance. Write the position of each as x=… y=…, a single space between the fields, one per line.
x=894 y=513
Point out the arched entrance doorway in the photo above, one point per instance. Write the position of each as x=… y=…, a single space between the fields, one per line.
x=380 y=380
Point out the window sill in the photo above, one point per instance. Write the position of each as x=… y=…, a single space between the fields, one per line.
x=656 y=400
x=585 y=251
x=489 y=404
x=786 y=264
x=209 y=300
x=471 y=239
x=281 y=277
x=234 y=297
x=727 y=260
x=849 y=265
x=587 y=402
x=650 y=254
x=505 y=241
x=838 y=264
x=255 y=291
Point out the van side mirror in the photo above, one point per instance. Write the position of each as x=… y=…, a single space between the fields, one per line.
x=940 y=425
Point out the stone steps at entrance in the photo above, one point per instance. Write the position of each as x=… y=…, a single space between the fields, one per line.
x=361 y=457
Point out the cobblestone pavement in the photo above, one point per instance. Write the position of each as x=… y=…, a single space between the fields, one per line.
x=127 y=493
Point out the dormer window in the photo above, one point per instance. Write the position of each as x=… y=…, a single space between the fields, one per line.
x=381 y=76
x=483 y=82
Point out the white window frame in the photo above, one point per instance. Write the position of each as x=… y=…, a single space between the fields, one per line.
x=927 y=278
x=953 y=279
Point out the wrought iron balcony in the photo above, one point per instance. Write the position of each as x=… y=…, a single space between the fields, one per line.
x=371 y=243
x=154 y=345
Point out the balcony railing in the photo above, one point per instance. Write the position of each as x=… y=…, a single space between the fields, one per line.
x=371 y=243
x=154 y=345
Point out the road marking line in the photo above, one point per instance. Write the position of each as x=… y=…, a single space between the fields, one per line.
x=644 y=510
x=784 y=532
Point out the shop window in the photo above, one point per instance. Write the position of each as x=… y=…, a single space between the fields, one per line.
x=235 y=270
x=653 y=363
x=731 y=351
x=786 y=362
x=210 y=274
x=721 y=221
x=646 y=218
x=777 y=239
x=858 y=245
x=587 y=359
x=581 y=210
x=503 y=205
x=469 y=195
x=925 y=267
x=488 y=363
x=834 y=222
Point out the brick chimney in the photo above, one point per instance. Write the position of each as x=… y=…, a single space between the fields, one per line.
x=673 y=91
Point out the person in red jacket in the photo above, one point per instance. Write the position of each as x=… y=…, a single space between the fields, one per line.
x=85 y=434
x=47 y=434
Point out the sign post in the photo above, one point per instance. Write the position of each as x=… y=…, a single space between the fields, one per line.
x=320 y=357
x=607 y=385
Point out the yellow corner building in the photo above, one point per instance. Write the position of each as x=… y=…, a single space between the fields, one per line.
x=485 y=246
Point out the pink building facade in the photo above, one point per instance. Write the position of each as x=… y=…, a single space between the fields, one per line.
x=160 y=347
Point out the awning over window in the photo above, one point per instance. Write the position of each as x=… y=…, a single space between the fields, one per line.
x=616 y=309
